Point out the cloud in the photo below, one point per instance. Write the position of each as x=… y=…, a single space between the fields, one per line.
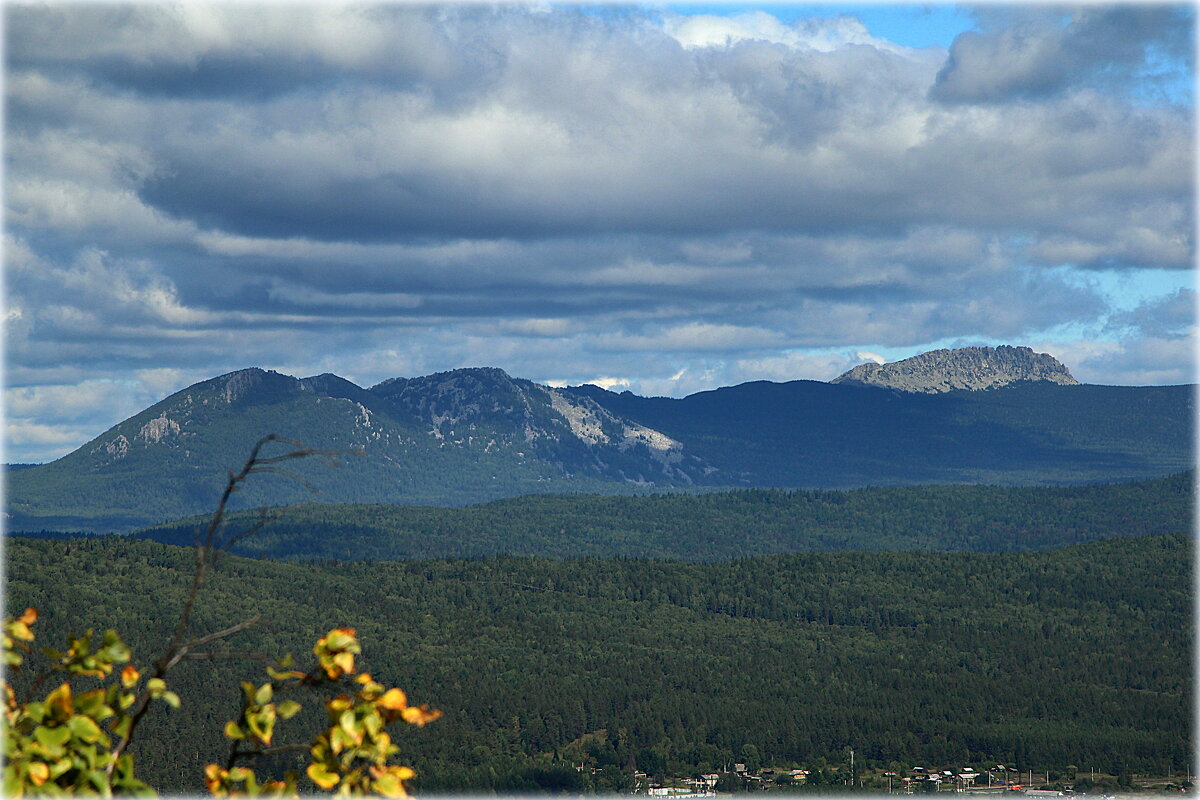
x=823 y=35
x=695 y=336
x=1169 y=317
x=670 y=200
x=1149 y=361
x=1041 y=54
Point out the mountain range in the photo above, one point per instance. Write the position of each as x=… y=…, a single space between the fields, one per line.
x=978 y=415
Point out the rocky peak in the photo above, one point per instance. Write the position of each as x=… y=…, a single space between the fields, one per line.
x=969 y=368
x=247 y=384
x=458 y=397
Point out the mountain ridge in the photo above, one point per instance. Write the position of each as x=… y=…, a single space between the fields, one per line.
x=478 y=434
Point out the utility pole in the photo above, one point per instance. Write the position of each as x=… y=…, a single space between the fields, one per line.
x=851 y=767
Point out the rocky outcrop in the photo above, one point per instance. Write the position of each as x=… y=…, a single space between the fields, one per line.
x=967 y=368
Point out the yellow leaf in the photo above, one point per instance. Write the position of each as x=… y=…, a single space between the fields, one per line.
x=344 y=661
x=393 y=700
x=339 y=740
x=39 y=773
x=322 y=777
x=388 y=786
x=29 y=617
x=19 y=630
x=389 y=781
x=262 y=724
x=280 y=675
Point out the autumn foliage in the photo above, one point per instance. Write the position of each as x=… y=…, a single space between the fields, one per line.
x=64 y=743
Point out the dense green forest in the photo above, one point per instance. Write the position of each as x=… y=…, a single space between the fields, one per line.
x=728 y=524
x=1080 y=655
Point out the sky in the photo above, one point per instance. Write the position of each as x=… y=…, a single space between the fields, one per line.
x=664 y=198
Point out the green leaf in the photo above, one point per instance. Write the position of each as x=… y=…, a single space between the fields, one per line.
x=121 y=728
x=53 y=740
x=12 y=781
x=287 y=709
x=85 y=728
x=93 y=704
x=60 y=767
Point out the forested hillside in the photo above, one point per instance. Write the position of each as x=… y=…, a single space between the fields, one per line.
x=728 y=524
x=1072 y=656
x=813 y=434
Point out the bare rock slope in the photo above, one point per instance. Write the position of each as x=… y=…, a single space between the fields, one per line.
x=970 y=368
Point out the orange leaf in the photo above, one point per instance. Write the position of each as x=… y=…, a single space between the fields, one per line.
x=420 y=715
x=213 y=777
x=393 y=700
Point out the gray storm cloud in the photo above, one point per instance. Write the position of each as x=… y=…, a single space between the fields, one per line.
x=385 y=190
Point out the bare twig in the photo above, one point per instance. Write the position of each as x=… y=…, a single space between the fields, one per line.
x=263 y=657
x=184 y=649
x=279 y=748
x=207 y=545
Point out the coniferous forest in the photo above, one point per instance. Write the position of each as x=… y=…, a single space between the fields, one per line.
x=1079 y=655
x=723 y=525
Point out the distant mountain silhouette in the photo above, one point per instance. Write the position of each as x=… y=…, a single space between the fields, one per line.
x=472 y=435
